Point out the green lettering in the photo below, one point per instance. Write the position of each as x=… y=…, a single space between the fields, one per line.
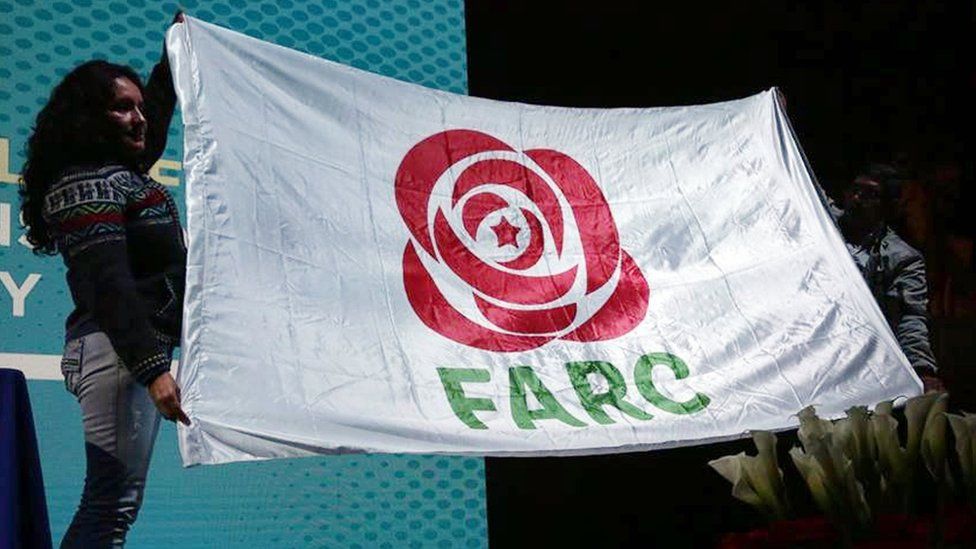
x=592 y=402
x=521 y=377
x=642 y=377
x=464 y=406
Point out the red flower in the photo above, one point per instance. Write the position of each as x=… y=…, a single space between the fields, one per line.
x=566 y=278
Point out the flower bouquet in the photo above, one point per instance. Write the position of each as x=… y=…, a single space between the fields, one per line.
x=873 y=490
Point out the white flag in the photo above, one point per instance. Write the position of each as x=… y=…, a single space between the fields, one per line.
x=376 y=266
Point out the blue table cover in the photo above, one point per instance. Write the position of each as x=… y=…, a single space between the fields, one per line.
x=23 y=508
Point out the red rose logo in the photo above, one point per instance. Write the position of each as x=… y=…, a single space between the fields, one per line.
x=512 y=250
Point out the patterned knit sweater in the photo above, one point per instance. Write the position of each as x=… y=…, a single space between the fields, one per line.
x=120 y=237
x=119 y=234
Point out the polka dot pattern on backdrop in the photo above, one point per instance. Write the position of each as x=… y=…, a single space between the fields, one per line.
x=415 y=41
x=339 y=501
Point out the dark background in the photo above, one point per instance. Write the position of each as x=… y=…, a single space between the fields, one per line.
x=888 y=81
x=864 y=80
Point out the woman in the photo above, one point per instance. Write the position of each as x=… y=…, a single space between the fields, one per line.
x=86 y=196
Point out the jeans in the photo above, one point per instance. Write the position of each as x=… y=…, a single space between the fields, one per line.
x=120 y=422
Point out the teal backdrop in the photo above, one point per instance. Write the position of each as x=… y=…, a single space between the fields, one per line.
x=341 y=501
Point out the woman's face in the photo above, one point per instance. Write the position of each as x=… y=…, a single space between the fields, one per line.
x=126 y=121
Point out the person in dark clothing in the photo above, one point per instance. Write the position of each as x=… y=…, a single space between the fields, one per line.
x=893 y=270
x=86 y=196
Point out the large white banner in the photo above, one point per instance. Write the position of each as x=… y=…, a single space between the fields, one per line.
x=376 y=266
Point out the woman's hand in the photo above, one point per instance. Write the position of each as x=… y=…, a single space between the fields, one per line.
x=166 y=394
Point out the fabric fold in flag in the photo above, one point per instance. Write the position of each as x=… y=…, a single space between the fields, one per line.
x=375 y=266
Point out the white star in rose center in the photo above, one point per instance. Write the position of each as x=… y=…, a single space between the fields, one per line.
x=506 y=233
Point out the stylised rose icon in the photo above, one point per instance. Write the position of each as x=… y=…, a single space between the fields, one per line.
x=512 y=250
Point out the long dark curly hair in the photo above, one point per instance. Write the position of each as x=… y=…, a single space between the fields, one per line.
x=71 y=129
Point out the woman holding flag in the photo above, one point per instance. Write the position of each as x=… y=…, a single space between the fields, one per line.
x=87 y=196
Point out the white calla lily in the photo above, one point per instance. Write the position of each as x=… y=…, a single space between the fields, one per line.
x=756 y=480
x=933 y=443
x=892 y=458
